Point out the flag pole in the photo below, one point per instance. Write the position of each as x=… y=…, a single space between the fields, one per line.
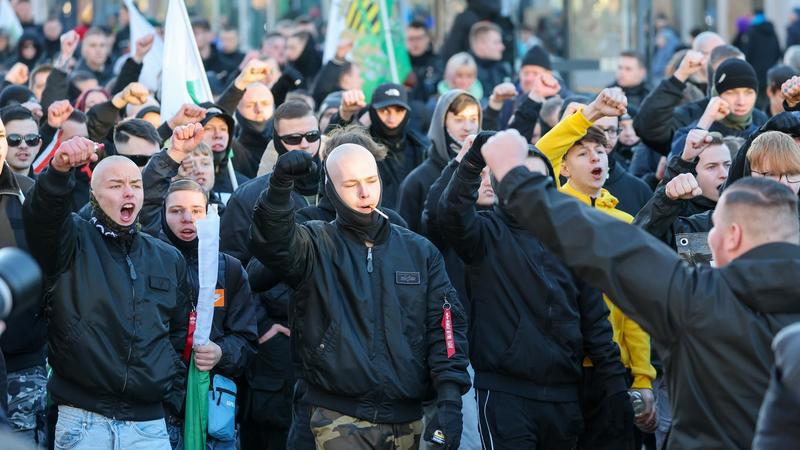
x=387 y=34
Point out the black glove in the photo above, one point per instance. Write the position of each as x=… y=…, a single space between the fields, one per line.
x=291 y=166
x=447 y=420
x=619 y=414
x=474 y=158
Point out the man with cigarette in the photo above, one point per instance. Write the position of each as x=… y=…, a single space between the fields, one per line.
x=374 y=318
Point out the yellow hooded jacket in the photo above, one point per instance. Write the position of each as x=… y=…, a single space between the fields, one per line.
x=634 y=343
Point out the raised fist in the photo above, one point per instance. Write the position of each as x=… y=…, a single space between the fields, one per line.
x=352 y=102
x=610 y=102
x=18 y=74
x=34 y=107
x=254 y=71
x=69 y=42
x=501 y=93
x=683 y=187
x=133 y=94
x=58 y=112
x=293 y=165
x=791 y=91
x=691 y=63
x=696 y=141
x=75 y=152
x=189 y=113
x=545 y=86
x=143 y=45
x=504 y=151
x=717 y=109
x=186 y=138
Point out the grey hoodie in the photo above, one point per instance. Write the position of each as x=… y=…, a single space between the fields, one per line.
x=436 y=133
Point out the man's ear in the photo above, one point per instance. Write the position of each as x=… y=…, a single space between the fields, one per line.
x=734 y=239
x=564 y=167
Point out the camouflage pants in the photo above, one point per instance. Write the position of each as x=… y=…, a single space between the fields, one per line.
x=26 y=403
x=335 y=431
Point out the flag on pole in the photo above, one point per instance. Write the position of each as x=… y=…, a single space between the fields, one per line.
x=375 y=26
x=150 y=76
x=10 y=22
x=184 y=78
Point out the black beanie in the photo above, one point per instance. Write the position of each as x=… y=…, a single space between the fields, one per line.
x=537 y=56
x=735 y=73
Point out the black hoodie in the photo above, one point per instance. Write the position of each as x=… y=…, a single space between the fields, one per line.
x=478 y=10
x=30 y=36
x=308 y=63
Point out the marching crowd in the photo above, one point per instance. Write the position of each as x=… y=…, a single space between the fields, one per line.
x=477 y=257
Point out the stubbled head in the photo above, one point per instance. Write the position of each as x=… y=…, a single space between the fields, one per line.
x=353 y=172
x=117 y=187
x=185 y=204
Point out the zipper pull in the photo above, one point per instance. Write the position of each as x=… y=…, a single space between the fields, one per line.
x=369 y=259
x=130 y=266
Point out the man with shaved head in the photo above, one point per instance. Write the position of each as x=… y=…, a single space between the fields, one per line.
x=712 y=326
x=376 y=324
x=117 y=305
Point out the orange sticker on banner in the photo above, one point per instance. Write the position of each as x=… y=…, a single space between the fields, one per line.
x=219 y=298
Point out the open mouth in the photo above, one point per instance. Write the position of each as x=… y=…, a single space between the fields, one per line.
x=597 y=172
x=187 y=234
x=126 y=212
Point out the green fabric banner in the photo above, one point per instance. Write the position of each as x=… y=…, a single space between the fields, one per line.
x=195 y=425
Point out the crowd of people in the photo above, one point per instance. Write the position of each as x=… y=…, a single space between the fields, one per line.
x=475 y=258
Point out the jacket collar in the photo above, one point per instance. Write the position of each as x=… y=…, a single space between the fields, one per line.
x=9 y=185
x=604 y=201
x=765 y=278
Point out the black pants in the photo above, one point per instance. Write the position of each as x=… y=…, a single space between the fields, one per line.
x=300 y=435
x=597 y=435
x=507 y=421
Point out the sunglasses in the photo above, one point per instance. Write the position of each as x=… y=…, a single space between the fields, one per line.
x=297 y=138
x=139 y=160
x=15 y=140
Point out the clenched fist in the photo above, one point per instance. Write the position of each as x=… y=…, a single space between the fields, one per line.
x=696 y=141
x=293 y=165
x=134 y=94
x=791 y=91
x=185 y=139
x=143 y=45
x=18 y=74
x=58 y=112
x=501 y=93
x=691 y=63
x=545 y=85
x=189 y=113
x=610 y=102
x=75 y=152
x=717 y=109
x=683 y=187
x=504 y=151
x=352 y=102
x=255 y=71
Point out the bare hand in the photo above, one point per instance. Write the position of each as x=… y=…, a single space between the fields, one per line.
x=691 y=63
x=504 y=151
x=189 y=113
x=791 y=91
x=255 y=71
x=465 y=147
x=716 y=110
x=69 y=42
x=544 y=87
x=58 y=112
x=143 y=45
x=274 y=330
x=696 y=141
x=344 y=47
x=352 y=102
x=610 y=102
x=683 y=187
x=207 y=356
x=133 y=94
x=75 y=152
x=185 y=139
x=18 y=74
x=501 y=93
x=647 y=420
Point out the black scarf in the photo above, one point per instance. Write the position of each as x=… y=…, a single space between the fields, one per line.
x=106 y=225
x=453 y=146
x=370 y=227
x=391 y=137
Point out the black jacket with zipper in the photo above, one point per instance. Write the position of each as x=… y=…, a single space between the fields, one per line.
x=367 y=321
x=712 y=327
x=533 y=319
x=117 y=309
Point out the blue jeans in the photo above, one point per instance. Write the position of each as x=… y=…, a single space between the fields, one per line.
x=78 y=429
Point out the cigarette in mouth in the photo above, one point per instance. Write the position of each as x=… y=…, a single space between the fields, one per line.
x=380 y=212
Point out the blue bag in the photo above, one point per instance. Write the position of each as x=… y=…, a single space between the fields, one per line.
x=222 y=409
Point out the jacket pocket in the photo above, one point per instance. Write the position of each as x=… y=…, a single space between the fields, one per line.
x=327 y=343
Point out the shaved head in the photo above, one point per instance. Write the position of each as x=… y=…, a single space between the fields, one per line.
x=115 y=162
x=353 y=172
x=117 y=188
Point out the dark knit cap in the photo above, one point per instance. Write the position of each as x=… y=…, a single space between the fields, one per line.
x=735 y=73
x=537 y=56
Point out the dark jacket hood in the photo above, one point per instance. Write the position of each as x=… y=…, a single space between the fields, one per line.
x=485 y=7
x=436 y=133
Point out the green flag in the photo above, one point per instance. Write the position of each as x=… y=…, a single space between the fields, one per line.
x=195 y=425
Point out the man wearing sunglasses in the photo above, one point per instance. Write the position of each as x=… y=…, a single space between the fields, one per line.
x=137 y=140
x=295 y=128
x=23 y=139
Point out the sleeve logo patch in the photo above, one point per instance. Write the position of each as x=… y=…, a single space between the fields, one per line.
x=406 y=278
x=219 y=298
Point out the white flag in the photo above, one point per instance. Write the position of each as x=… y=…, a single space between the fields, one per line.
x=207 y=266
x=150 y=76
x=10 y=22
x=183 y=76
